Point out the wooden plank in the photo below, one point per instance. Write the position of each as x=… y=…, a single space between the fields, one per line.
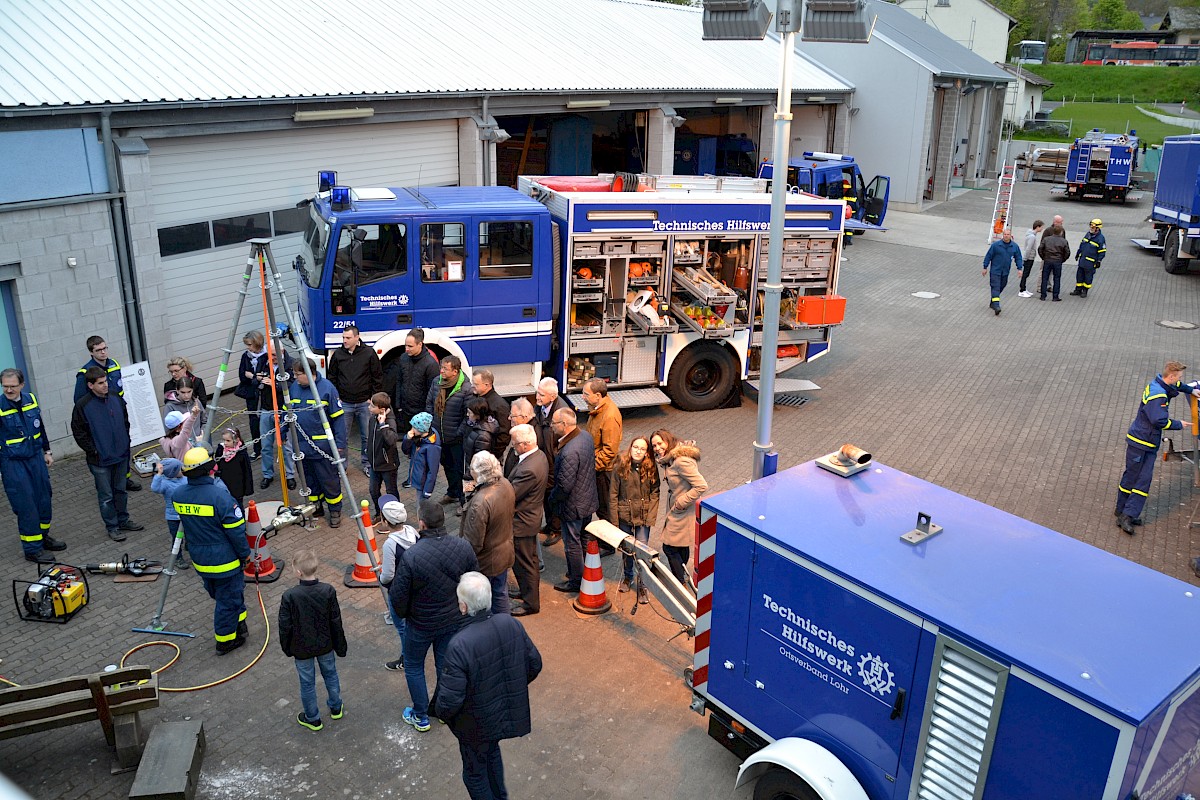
x=170 y=767
x=34 y=726
x=45 y=707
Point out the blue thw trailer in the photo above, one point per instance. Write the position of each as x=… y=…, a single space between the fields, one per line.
x=847 y=647
x=652 y=290
x=1176 y=211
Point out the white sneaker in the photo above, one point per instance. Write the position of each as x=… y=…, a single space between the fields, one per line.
x=1024 y=294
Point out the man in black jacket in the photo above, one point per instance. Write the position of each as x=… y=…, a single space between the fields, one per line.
x=423 y=593
x=548 y=401
x=100 y=425
x=414 y=372
x=528 y=477
x=310 y=631
x=483 y=689
x=484 y=382
x=354 y=370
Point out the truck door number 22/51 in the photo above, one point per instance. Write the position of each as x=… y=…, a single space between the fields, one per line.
x=343 y=323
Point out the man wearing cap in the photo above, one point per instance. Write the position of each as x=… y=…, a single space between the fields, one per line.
x=216 y=540
x=1089 y=255
x=1143 y=439
x=400 y=537
x=100 y=426
x=1001 y=256
x=24 y=461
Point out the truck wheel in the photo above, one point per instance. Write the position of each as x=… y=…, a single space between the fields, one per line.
x=703 y=377
x=1171 y=260
x=779 y=784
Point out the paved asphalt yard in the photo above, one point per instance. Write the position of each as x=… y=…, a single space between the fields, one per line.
x=1026 y=411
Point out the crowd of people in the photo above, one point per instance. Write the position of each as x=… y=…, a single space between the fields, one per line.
x=1054 y=250
x=521 y=477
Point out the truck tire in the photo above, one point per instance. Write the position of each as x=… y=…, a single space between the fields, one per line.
x=779 y=784
x=703 y=377
x=1171 y=260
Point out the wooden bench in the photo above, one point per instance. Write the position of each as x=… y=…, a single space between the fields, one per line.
x=112 y=698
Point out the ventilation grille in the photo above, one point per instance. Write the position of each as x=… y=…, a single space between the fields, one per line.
x=962 y=713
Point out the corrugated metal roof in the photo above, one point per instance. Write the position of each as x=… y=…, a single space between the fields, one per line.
x=944 y=56
x=56 y=53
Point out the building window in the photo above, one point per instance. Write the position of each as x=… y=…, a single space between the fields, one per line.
x=242 y=228
x=181 y=239
x=290 y=220
x=505 y=250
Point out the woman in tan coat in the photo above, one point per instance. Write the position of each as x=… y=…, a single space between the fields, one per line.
x=685 y=485
x=633 y=502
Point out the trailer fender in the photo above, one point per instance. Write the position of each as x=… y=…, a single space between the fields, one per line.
x=394 y=340
x=810 y=762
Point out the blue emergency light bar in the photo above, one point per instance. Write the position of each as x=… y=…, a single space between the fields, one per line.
x=818 y=155
x=339 y=198
x=326 y=180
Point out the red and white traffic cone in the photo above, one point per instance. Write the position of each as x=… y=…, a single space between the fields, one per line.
x=359 y=575
x=260 y=565
x=592 y=599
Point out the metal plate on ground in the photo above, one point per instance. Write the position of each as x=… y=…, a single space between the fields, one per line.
x=790 y=400
x=626 y=398
x=1147 y=244
x=1176 y=324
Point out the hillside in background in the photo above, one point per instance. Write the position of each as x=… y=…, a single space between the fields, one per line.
x=1076 y=82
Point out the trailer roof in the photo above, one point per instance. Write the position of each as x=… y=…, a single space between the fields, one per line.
x=1051 y=604
x=478 y=199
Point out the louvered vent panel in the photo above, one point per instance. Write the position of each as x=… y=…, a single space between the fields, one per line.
x=962 y=706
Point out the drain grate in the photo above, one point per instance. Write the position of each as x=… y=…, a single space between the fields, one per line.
x=1177 y=325
x=792 y=400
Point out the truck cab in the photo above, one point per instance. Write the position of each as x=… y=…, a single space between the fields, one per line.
x=837 y=177
x=471 y=265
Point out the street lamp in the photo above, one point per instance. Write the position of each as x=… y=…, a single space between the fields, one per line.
x=830 y=20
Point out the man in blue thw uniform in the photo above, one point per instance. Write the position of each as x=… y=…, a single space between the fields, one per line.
x=320 y=471
x=98 y=348
x=216 y=541
x=1143 y=439
x=1089 y=255
x=24 y=460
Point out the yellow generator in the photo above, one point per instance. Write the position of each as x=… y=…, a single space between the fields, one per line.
x=57 y=595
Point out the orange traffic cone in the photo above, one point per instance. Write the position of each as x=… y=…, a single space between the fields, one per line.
x=592 y=599
x=260 y=565
x=359 y=575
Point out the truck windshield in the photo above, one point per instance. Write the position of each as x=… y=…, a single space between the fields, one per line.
x=311 y=261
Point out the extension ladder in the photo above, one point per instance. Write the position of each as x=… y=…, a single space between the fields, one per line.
x=1002 y=213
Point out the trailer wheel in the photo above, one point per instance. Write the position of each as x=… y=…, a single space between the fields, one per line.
x=703 y=377
x=1171 y=260
x=779 y=784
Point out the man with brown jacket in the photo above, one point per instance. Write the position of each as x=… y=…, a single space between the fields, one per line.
x=605 y=426
x=488 y=525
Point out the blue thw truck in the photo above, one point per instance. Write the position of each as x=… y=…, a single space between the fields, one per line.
x=1176 y=211
x=837 y=176
x=866 y=635
x=1099 y=167
x=652 y=283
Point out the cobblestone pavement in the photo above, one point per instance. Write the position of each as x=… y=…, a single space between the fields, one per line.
x=1026 y=411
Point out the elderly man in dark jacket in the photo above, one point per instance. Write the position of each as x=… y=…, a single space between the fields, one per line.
x=488 y=525
x=548 y=401
x=413 y=373
x=528 y=477
x=483 y=691
x=574 y=494
x=423 y=593
x=447 y=403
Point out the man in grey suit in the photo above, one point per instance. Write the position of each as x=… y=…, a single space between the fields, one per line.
x=528 y=476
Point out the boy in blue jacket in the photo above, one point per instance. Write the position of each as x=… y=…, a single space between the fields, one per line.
x=168 y=477
x=423 y=447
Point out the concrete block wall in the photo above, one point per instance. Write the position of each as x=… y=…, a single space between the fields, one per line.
x=59 y=306
x=153 y=302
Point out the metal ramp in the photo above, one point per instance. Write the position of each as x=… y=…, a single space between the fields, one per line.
x=1002 y=211
x=785 y=389
x=626 y=398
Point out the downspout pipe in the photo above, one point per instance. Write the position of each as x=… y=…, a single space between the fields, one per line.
x=126 y=276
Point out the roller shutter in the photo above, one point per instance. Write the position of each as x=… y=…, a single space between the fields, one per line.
x=244 y=177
